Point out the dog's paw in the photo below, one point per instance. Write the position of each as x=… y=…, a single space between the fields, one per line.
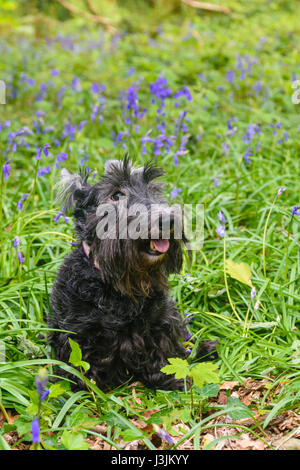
x=207 y=351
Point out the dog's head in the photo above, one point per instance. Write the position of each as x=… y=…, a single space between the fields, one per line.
x=133 y=235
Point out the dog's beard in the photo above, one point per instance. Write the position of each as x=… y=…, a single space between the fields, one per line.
x=133 y=269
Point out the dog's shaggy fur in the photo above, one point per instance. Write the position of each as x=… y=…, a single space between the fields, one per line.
x=115 y=296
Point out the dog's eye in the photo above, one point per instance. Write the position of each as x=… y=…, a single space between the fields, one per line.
x=116 y=196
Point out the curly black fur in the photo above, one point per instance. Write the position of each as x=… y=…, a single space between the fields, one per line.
x=124 y=321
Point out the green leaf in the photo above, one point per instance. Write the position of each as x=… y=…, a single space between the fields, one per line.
x=131 y=434
x=177 y=366
x=104 y=142
x=76 y=356
x=204 y=373
x=73 y=440
x=56 y=390
x=3 y=444
x=241 y=411
x=239 y=271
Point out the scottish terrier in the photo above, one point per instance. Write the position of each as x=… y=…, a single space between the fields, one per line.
x=112 y=290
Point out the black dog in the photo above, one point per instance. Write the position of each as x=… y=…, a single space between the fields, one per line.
x=112 y=292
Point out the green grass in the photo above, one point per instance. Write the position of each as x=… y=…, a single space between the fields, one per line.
x=255 y=342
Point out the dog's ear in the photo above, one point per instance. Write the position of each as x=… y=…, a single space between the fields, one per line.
x=72 y=188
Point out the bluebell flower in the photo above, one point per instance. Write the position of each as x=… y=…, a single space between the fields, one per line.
x=40 y=114
x=6 y=169
x=95 y=88
x=60 y=214
x=230 y=76
x=43 y=90
x=257 y=87
x=225 y=148
x=295 y=210
x=221 y=217
x=246 y=155
x=20 y=257
x=43 y=149
x=43 y=171
x=17 y=242
x=41 y=380
x=61 y=157
x=253 y=293
x=183 y=92
x=160 y=90
x=165 y=436
x=35 y=429
x=221 y=231
x=175 y=192
x=75 y=84
x=280 y=191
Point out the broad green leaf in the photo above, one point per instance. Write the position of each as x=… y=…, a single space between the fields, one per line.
x=204 y=373
x=76 y=356
x=56 y=390
x=239 y=271
x=131 y=434
x=177 y=366
x=73 y=440
x=3 y=444
x=241 y=410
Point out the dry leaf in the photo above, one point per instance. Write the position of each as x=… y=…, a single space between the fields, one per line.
x=229 y=385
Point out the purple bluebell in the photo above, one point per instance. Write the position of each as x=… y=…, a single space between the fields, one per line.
x=62 y=156
x=189 y=316
x=45 y=149
x=280 y=190
x=6 y=169
x=81 y=124
x=43 y=171
x=20 y=257
x=17 y=241
x=253 y=293
x=69 y=131
x=175 y=192
x=41 y=380
x=225 y=148
x=75 y=84
x=144 y=141
x=131 y=71
x=183 y=92
x=160 y=90
x=295 y=210
x=35 y=429
x=43 y=90
x=40 y=114
x=221 y=217
x=60 y=214
x=221 y=231
x=230 y=76
x=165 y=436
x=95 y=88
x=247 y=154
x=257 y=87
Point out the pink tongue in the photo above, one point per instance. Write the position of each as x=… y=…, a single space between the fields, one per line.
x=161 y=245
